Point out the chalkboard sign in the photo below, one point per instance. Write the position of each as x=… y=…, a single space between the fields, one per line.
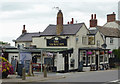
x=48 y=61
x=14 y=65
x=27 y=65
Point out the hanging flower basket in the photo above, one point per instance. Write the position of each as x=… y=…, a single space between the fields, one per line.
x=109 y=52
x=89 y=53
x=101 y=53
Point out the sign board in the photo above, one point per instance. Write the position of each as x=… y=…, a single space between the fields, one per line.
x=56 y=41
x=25 y=56
x=27 y=65
x=14 y=65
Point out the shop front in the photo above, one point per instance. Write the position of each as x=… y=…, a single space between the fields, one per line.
x=94 y=58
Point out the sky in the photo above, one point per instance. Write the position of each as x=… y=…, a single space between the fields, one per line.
x=38 y=14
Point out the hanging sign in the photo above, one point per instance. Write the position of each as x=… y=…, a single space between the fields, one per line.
x=56 y=41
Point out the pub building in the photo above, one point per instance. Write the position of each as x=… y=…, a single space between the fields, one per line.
x=74 y=46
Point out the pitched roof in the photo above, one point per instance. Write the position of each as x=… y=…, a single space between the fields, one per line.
x=93 y=31
x=27 y=36
x=109 y=32
x=118 y=22
x=68 y=29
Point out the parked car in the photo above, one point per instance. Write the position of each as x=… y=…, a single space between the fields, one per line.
x=37 y=66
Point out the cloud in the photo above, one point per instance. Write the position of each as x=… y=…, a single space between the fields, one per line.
x=38 y=14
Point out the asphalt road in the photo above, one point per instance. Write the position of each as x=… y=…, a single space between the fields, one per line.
x=95 y=76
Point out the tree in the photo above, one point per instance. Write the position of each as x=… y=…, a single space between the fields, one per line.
x=116 y=53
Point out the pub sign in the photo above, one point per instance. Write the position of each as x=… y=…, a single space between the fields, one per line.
x=56 y=41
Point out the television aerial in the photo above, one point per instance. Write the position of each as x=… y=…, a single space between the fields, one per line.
x=57 y=8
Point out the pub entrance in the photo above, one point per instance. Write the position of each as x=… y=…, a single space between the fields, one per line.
x=96 y=62
x=66 y=54
x=66 y=62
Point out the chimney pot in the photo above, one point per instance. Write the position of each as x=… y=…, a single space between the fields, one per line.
x=24 y=27
x=72 y=21
x=94 y=16
x=91 y=16
x=93 y=22
x=68 y=23
x=24 y=31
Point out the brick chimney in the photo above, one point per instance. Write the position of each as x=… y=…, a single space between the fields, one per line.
x=59 y=28
x=24 y=31
x=72 y=21
x=93 y=21
x=68 y=22
x=111 y=17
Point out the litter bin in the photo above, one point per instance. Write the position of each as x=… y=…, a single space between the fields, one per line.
x=80 y=67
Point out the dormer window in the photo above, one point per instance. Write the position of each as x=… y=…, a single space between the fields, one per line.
x=84 y=40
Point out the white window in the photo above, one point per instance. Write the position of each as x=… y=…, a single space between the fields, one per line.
x=106 y=58
x=98 y=43
x=111 y=40
x=84 y=39
x=91 y=40
x=101 y=58
x=93 y=59
x=83 y=55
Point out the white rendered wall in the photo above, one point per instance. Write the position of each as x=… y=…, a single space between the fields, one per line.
x=114 y=45
x=11 y=55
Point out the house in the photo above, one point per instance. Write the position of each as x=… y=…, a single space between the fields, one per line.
x=110 y=32
x=114 y=26
x=68 y=38
x=25 y=39
x=67 y=47
x=78 y=45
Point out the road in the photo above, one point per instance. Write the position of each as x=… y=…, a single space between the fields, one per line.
x=94 y=76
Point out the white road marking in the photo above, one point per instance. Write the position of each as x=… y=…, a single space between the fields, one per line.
x=114 y=81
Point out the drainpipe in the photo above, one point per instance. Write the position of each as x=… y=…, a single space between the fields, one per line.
x=105 y=41
x=86 y=58
x=41 y=60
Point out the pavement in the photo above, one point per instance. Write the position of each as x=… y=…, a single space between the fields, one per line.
x=38 y=76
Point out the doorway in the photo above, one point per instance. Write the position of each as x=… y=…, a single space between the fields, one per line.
x=66 y=62
x=96 y=62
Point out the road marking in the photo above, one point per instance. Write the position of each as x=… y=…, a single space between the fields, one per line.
x=114 y=81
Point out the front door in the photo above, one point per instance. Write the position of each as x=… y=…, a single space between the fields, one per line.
x=96 y=62
x=66 y=61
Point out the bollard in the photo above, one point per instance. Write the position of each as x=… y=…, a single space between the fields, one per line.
x=45 y=71
x=23 y=74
